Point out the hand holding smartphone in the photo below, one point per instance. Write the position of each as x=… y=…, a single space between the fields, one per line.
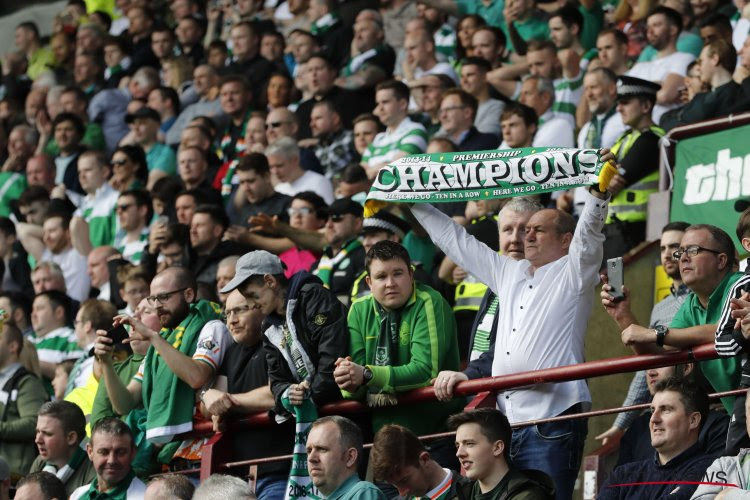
x=615 y=278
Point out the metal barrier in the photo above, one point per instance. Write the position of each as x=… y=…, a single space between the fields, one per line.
x=216 y=453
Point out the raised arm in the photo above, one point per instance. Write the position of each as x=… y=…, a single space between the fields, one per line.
x=466 y=251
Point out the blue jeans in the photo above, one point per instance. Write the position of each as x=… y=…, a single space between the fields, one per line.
x=555 y=448
x=271 y=487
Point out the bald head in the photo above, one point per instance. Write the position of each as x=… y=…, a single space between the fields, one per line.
x=96 y=266
x=177 y=276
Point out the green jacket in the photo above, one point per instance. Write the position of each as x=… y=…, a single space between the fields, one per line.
x=427 y=345
x=102 y=404
x=83 y=475
x=18 y=423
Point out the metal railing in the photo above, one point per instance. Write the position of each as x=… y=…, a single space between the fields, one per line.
x=217 y=455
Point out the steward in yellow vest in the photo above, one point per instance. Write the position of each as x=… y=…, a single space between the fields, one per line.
x=637 y=152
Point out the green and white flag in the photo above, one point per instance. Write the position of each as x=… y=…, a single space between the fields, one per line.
x=480 y=175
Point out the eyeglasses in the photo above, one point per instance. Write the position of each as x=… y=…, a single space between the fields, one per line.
x=275 y=124
x=236 y=310
x=119 y=163
x=122 y=208
x=299 y=211
x=692 y=251
x=161 y=298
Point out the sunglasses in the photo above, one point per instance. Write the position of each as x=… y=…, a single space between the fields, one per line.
x=337 y=218
x=119 y=163
x=275 y=124
x=122 y=208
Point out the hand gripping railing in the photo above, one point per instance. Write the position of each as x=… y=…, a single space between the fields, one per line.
x=216 y=458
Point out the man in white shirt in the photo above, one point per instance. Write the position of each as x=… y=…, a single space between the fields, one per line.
x=283 y=161
x=670 y=66
x=98 y=271
x=54 y=341
x=58 y=248
x=560 y=270
x=539 y=94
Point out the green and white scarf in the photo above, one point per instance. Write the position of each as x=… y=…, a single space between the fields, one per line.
x=328 y=264
x=324 y=24
x=299 y=485
x=481 y=175
x=66 y=471
x=386 y=349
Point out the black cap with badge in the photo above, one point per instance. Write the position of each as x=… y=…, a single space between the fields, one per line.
x=386 y=221
x=630 y=86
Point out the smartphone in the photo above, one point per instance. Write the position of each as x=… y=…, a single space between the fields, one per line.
x=163 y=220
x=117 y=334
x=615 y=277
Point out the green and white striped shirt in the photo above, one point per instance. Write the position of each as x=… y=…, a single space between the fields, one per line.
x=99 y=211
x=567 y=95
x=131 y=250
x=409 y=137
x=445 y=41
x=57 y=346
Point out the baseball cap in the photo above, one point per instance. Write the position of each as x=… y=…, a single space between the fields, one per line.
x=344 y=206
x=254 y=263
x=144 y=112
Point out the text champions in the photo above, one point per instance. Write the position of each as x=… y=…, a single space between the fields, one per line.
x=488 y=174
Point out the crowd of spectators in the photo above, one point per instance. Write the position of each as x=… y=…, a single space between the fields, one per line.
x=182 y=239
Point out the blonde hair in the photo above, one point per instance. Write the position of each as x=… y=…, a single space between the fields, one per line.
x=181 y=72
x=624 y=12
x=29 y=358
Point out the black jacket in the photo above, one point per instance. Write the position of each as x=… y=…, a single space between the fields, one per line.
x=478 y=141
x=320 y=322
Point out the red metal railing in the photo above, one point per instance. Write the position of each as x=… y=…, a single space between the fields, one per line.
x=216 y=454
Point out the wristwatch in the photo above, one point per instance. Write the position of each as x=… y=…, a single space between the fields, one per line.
x=367 y=375
x=661 y=332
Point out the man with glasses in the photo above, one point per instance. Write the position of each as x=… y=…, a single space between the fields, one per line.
x=242 y=387
x=344 y=257
x=706 y=259
x=187 y=353
x=458 y=109
x=280 y=123
x=661 y=314
x=133 y=211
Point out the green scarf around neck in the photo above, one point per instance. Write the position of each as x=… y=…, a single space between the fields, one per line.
x=327 y=264
x=386 y=350
x=169 y=400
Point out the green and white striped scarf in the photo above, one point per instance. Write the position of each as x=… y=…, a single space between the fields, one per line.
x=327 y=264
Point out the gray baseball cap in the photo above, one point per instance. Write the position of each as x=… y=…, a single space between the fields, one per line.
x=254 y=263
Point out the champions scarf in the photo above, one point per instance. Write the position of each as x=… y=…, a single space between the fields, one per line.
x=481 y=175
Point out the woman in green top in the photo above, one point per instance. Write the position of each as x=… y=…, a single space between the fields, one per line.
x=129 y=170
